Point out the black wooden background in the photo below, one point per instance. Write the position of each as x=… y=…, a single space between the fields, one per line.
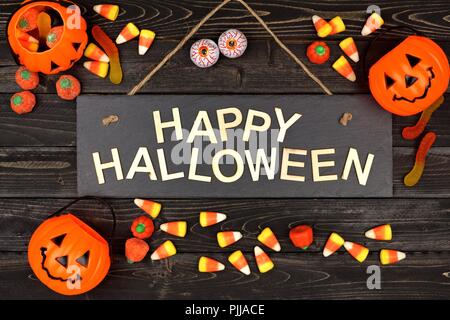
x=38 y=167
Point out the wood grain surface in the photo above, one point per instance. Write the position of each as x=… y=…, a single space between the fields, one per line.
x=38 y=163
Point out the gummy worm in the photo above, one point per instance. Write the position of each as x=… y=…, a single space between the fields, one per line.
x=413 y=177
x=411 y=133
x=115 y=74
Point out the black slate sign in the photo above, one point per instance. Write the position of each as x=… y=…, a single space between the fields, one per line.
x=303 y=149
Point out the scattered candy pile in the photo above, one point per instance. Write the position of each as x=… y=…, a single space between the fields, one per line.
x=318 y=52
x=360 y=252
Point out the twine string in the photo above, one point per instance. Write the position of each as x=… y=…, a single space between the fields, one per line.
x=194 y=30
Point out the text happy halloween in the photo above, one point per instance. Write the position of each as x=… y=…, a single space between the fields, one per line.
x=256 y=122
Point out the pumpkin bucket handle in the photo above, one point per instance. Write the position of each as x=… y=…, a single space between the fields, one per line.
x=417 y=32
x=104 y=202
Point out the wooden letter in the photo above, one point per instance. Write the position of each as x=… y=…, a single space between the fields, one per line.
x=255 y=169
x=99 y=166
x=285 y=125
x=202 y=116
x=223 y=126
x=239 y=166
x=176 y=123
x=353 y=157
x=193 y=166
x=249 y=126
x=316 y=165
x=142 y=154
x=165 y=176
x=286 y=163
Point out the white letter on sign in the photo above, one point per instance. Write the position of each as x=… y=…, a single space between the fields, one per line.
x=99 y=166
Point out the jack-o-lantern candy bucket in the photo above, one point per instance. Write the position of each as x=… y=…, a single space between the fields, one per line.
x=67 y=255
x=411 y=77
x=68 y=48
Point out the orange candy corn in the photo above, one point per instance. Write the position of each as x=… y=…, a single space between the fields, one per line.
x=374 y=22
x=166 y=250
x=96 y=67
x=337 y=25
x=268 y=238
x=357 y=251
x=349 y=47
x=323 y=28
x=227 y=238
x=108 y=11
x=334 y=243
x=206 y=264
x=176 y=228
x=129 y=32
x=238 y=260
x=93 y=52
x=146 y=38
x=413 y=177
x=150 y=207
x=391 y=256
x=28 y=42
x=263 y=261
x=343 y=67
x=211 y=218
x=383 y=232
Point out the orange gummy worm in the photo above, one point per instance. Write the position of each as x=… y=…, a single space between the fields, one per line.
x=111 y=50
x=411 y=133
x=413 y=177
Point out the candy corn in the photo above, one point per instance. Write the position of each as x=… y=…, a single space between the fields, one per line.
x=206 y=264
x=130 y=31
x=343 y=67
x=93 y=52
x=349 y=47
x=268 y=238
x=108 y=11
x=356 y=250
x=210 y=218
x=227 y=238
x=28 y=42
x=167 y=249
x=333 y=244
x=374 y=22
x=151 y=207
x=383 y=232
x=145 y=41
x=98 y=68
x=391 y=256
x=238 y=260
x=323 y=28
x=263 y=261
x=176 y=228
x=337 y=25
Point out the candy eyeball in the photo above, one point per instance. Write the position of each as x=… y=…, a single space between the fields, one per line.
x=204 y=53
x=232 y=43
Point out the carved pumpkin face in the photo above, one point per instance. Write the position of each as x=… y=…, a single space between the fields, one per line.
x=65 y=52
x=68 y=256
x=411 y=77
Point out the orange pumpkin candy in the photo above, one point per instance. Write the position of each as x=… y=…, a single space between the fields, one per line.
x=64 y=53
x=411 y=77
x=68 y=256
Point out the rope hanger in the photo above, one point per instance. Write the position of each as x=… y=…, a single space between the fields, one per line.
x=202 y=22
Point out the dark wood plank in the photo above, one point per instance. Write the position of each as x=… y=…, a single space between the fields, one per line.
x=53 y=123
x=288 y=18
x=264 y=68
x=349 y=217
x=296 y=276
x=51 y=172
